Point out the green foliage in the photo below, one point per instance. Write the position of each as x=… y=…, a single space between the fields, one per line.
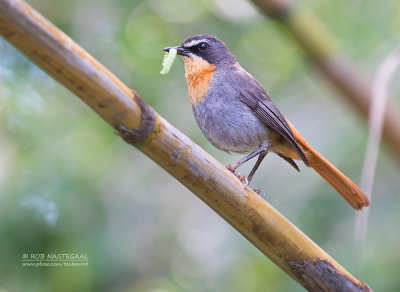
x=68 y=184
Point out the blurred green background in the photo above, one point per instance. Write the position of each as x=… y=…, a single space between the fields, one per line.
x=68 y=184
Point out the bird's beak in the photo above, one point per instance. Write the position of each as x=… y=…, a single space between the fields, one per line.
x=179 y=49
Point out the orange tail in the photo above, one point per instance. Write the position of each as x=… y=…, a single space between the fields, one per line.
x=349 y=190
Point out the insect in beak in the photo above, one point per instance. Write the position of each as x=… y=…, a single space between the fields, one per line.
x=180 y=50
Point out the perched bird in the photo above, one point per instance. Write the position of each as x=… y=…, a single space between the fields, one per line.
x=236 y=114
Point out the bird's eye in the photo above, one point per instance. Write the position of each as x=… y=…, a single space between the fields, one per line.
x=203 y=46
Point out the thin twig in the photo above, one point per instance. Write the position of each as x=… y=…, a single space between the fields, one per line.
x=380 y=95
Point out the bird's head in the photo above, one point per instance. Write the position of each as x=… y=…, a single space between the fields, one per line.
x=204 y=48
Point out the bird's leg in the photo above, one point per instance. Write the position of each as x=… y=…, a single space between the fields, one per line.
x=232 y=167
x=255 y=167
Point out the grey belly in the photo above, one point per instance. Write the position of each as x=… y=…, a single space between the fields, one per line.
x=230 y=125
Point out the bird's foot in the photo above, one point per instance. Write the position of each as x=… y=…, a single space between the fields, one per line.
x=242 y=178
x=246 y=181
x=232 y=167
x=260 y=192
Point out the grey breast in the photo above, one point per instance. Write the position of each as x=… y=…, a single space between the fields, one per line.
x=228 y=123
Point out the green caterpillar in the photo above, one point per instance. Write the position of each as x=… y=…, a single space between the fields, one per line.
x=169 y=58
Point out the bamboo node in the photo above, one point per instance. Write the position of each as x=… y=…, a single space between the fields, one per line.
x=149 y=124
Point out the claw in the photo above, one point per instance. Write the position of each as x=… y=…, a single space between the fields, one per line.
x=231 y=167
x=259 y=192
x=241 y=177
x=245 y=182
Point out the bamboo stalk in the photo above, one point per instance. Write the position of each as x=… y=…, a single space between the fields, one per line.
x=258 y=221
x=323 y=49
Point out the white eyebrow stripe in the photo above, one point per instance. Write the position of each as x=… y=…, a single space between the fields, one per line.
x=193 y=43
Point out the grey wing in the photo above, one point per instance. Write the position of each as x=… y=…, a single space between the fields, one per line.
x=254 y=96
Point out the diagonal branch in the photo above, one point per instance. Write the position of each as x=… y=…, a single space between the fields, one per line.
x=323 y=49
x=254 y=218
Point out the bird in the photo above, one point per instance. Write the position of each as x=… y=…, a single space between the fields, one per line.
x=236 y=114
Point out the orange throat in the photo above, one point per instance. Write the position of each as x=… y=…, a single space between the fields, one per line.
x=198 y=74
